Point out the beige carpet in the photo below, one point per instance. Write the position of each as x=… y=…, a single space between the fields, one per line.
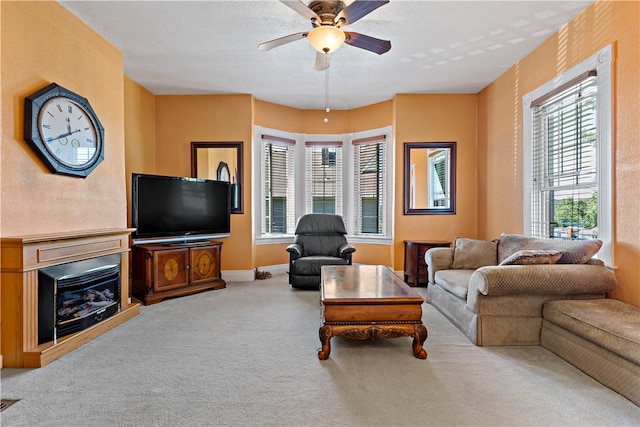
x=247 y=355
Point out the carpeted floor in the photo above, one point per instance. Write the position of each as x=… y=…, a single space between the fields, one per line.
x=247 y=356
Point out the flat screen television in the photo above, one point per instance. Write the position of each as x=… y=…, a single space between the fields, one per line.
x=174 y=209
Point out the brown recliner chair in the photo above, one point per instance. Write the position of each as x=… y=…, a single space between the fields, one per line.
x=320 y=240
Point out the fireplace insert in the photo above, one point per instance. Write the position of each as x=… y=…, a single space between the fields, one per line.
x=77 y=295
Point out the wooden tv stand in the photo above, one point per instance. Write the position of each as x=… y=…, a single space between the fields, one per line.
x=21 y=258
x=164 y=270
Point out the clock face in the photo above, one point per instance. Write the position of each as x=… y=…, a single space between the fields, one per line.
x=64 y=131
x=223 y=172
x=68 y=132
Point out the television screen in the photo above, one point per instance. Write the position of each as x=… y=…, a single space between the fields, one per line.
x=176 y=208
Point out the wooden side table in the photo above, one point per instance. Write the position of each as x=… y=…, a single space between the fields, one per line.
x=415 y=267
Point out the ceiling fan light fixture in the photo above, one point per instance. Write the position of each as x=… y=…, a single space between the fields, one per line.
x=326 y=38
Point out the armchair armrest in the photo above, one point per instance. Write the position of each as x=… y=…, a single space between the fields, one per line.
x=345 y=252
x=438 y=259
x=295 y=251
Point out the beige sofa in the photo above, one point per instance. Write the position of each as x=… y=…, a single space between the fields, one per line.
x=494 y=291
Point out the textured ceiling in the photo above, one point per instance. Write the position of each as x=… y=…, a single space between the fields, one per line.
x=210 y=47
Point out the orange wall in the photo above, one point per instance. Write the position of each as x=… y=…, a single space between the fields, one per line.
x=437 y=118
x=42 y=43
x=182 y=119
x=500 y=193
x=140 y=135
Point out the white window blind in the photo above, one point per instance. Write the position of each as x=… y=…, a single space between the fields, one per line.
x=323 y=177
x=439 y=188
x=370 y=185
x=564 y=163
x=278 y=189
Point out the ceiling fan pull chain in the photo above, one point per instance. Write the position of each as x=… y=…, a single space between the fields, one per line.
x=326 y=95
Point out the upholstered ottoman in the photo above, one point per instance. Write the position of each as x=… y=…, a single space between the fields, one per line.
x=600 y=337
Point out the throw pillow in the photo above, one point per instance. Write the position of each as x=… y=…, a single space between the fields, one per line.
x=471 y=254
x=573 y=251
x=532 y=256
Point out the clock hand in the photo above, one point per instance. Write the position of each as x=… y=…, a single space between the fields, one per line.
x=68 y=125
x=71 y=132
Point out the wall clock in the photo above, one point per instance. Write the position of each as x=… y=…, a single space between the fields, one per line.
x=62 y=128
x=223 y=172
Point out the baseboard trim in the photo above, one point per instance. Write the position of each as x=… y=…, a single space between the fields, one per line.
x=250 y=275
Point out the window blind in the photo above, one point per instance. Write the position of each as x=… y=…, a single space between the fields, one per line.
x=278 y=171
x=370 y=185
x=564 y=181
x=323 y=177
x=438 y=188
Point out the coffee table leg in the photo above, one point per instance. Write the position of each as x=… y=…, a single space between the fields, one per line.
x=419 y=337
x=325 y=339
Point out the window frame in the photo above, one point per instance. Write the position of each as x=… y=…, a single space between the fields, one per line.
x=258 y=187
x=601 y=62
x=347 y=174
x=312 y=141
x=377 y=137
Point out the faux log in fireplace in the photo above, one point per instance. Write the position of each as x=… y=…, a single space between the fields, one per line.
x=92 y=266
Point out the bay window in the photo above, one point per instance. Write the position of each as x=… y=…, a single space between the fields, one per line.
x=345 y=174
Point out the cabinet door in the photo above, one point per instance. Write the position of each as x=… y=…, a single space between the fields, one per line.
x=421 y=272
x=170 y=269
x=410 y=258
x=204 y=264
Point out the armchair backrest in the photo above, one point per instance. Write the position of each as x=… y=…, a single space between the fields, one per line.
x=320 y=234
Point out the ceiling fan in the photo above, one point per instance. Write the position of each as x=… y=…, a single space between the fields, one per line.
x=327 y=17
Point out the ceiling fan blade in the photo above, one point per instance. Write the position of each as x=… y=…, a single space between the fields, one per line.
x=301 y=8
x=360 y=8
x=369 y=43
x=322 y=61
x=282 y=40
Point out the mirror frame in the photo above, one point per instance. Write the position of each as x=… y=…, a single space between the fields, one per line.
x=408 y=210
x=207 y=145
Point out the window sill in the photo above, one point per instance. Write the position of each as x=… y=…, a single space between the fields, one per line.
x=275 y=239
x=288 y=238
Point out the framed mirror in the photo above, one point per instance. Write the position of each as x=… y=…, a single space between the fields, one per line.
x=429 y=178
x=220 y=161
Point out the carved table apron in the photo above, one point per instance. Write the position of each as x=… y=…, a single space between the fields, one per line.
x=367 y=302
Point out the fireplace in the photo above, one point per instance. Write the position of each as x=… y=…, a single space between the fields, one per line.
x=77 y=295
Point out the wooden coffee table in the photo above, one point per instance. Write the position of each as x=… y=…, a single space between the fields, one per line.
x=367 y=302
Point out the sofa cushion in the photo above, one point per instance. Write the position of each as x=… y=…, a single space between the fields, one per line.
x=455 y=282
x=311 y=265
x=533 y=256
x=611 y=324
x=573 y=251
x=471 y=254
x=313 y=245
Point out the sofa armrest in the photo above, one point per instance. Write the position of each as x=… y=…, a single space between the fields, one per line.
x=547 y=279
x=438 y=259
